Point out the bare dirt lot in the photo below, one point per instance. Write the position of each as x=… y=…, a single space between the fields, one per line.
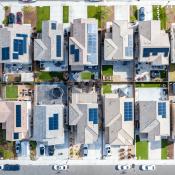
x=170 y=16
x=30 y=18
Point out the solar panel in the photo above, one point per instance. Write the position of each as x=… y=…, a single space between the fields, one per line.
x=25 y=36
x=162 y=109
x=95 y=116
x=18 y=115
x=15 y=56
x=21 y=47
x=58 y=45
x=53 y=122
x=16 y=135
x=76 y=55
x=155 y=51
x=72 y=48
x=5 y=53
x=53 y=26
x=130 y=38
x=15 y=45
x=92 y=58
x=128 y=111
x=91 y=114
x=92 y=44
x=92 y=28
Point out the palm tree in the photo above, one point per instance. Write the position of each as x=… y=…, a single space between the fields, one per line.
x=90 y=83
x=98 y=84
x=70 y=83
x=65 y=76
x=55 y=79
x=81 y=84
x=36 y=75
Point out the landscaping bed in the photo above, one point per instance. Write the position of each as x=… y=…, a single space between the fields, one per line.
x=107 y=70
x=43 y=14
x=164 y=149
x=172 y=72
x=33 y=146
x=106 y=88
x=65 y=14
x=141 y=149
x=133 y=13
x=162 y=74
x=14 y=78
x=30 y=18
x=170 y=149
x=170 y=16
x=150 y=85
x=87 y=75
x=11 y=91
x=7 y=12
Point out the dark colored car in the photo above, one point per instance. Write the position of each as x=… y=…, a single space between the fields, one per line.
x=142 y=14
x=11 y=18
x=51 y=150
x=42 y=149
x=11 y=167
x=19 y=18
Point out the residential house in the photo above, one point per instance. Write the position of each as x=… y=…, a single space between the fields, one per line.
x=154 y=45
x=173 y=120
x=119 y=120
x=154 y=117
x=172 y=32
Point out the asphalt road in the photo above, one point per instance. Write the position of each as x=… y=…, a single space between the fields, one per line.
x=90 y=170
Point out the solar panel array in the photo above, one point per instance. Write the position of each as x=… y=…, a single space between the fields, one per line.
x=92 y=43
x=75 y=52
x=92 y=58
x=53 y=26
x=155 y=51
x=53 y=122
x=5 y=53
x=93 y=115
x=130 y=38
x=18 y=115
x=162 y=109
x=129 y=49
x=16 y=135
x=128 y=111
x=25 y=36
x=92 y=28
x=58 y=45
x=15 y=56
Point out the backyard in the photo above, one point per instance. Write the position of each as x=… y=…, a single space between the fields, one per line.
x=87 y=75
x=43 y=14
x=11 y=91
x=164 y=149
x=65 y=14
x=172 y=72
x=150 y=85
x=141 y=149
x=106 y=88
x=107 y=70
x=162 y=74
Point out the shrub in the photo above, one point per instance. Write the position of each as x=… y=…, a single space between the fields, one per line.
x=27 y=9
x=6 y=7
x=132 y=18
x=3 y=84
x=6 y=21
x=77 y=153
x=28 y=22
x=71 y=153
x=1 y=149
x=61 y=154
x=1 y=142
x=142 y=84
x=10 y=143
x=31 y=84
x=33 y=144
x=7 y=154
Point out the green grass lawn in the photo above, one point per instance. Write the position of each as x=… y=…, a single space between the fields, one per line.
x=106 y=88
x=65 y=14
x=172 y=72
x=164 y=149
x=11 y=91
x=141 y=149
x=135 y=11
x=87 y=75
x=107 y=70
x=162 y=74
x=43 y=14
x=43 y=76
x=154 y=12
x=95 y=12
x=150 y=85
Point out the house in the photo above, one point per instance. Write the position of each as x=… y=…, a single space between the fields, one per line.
x=118 y=45
x=83 y=115
x=16 y=44
x=173 y=120
x=172 y=31
x=15 y=118
x=154 y=43
x=83 y=44
x=154 y=117
x=48 y=124
x=119 y=120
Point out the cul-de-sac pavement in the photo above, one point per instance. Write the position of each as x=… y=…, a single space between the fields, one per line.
x=87 y=87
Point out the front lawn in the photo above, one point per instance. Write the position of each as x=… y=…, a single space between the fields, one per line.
x=106 y=88
x=162 y=74
x=141 y=149
x=65 y=14
x=94 y=12
x=107 y=70
x=150 y=85
x=11 y=91
x=164 y=149
x=172 y=72
x=43 y=14
x=87 y=75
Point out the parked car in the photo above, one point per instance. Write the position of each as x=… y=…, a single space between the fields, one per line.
x=42 y=147
x=148 y=167
x=11 y=167
x=28 y=0
x=11 y=18
x=142 y=14
x=18 y=146
x=60 y=167
x=19 y=18
x=51 y=150
x=108 y=150
x=124 y=167
x=85 y=150
x=1 y=167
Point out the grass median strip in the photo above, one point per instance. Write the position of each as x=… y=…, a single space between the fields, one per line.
x=150 y=85
x=164 y=149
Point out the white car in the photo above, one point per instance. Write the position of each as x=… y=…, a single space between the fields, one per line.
x=124 y=167
x=148 y=167
x=60 y=167
x=17 y=146
x=1 y=167
x=108 y=150
x=85 y=150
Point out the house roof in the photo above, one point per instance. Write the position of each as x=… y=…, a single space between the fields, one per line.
x=115 y=47
x=41 y=131
x=81 y=38
x=152 y=123
x=12 y=35
x=45 y=49
x=119 y=131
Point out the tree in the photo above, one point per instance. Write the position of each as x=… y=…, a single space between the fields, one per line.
x=81 y=84
x=36 y=75
x=55 y=79
x=70 y=83
x=90 y=83
x=65 y=76
x=172 y=10
x=6 y=21
x=27 y=9
x=6 y=7
x=132 y=18
x=105 y=13
x=98 y=84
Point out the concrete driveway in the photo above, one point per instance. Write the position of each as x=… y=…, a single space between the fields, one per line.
x=121 y=12
x=148 y=12
x=154 y=150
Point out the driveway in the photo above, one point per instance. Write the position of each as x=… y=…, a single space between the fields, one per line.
x=121 y=12
x=148 y=12
x=154 y=150
x=2 y=16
